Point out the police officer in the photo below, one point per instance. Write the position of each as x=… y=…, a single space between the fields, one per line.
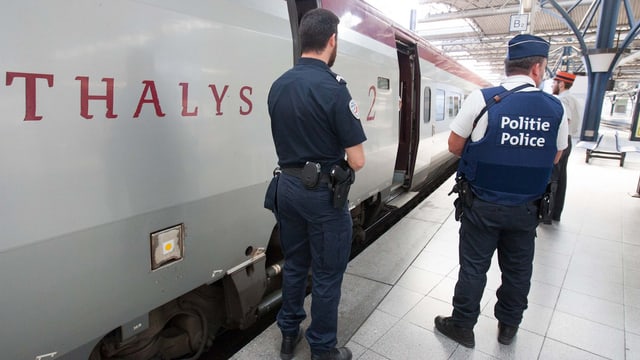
x=314 y=122
x=506 y=160
x=562 y=82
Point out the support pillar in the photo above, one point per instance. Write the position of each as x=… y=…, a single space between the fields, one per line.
x=635 y=120
x=599 y=78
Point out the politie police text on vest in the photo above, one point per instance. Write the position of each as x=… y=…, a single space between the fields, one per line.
x=528 y=126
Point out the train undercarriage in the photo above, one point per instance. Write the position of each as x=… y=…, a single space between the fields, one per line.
x=187 y=327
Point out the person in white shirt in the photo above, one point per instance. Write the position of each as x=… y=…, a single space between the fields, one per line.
x=562 y=82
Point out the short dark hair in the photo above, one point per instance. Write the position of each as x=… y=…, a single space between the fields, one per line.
x=521 y=66
x=316 y=27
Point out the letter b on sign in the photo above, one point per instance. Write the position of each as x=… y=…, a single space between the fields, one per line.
x=519 y=22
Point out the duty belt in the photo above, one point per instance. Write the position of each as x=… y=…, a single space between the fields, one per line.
x=297 y=172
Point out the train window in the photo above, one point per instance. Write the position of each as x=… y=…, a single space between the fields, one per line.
x=453 y=104
x=427 y=104
x=440 y=103
x=383 y=83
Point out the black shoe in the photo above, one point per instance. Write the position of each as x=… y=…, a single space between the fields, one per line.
x=342 y=353
x=289 y=345
x=462 y=336
x=506 y=333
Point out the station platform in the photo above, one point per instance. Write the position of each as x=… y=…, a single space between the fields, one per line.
x=584 y=301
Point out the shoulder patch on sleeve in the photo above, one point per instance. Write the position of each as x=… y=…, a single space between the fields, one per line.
x=353 y=106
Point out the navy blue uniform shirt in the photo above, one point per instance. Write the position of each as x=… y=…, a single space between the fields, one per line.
x=313 y=117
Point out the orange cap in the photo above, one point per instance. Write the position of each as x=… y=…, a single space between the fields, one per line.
x=565 y=76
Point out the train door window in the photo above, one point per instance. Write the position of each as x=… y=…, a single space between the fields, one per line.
x=427 y=104
x=440 y=104
x=453 y=105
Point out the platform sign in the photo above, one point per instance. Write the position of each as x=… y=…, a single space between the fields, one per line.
x=519 y=22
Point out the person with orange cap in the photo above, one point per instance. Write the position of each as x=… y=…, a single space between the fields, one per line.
x=562 y=82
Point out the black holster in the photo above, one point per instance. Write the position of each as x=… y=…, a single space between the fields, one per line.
x=465 y=196
x=545 y=204
x=342 y=176
x=270 y=197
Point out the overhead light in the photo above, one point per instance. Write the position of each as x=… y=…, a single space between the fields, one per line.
x=601 y=59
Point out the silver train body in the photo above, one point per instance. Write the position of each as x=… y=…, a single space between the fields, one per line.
x=136 y=150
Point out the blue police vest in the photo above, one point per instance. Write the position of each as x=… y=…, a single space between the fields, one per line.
x=512 y=163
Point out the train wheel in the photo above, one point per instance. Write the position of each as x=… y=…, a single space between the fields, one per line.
x=181 y=329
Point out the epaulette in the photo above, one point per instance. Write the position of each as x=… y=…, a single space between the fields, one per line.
x=338 y=78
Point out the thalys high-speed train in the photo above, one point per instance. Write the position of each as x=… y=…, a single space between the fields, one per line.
x=136 y=149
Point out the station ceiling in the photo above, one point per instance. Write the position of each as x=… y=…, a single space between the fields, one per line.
x=475 y=32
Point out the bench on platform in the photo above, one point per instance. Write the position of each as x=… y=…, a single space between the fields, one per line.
x=605 y=149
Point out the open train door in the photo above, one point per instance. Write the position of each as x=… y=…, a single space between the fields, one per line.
x=297 y=9
x=409 y=122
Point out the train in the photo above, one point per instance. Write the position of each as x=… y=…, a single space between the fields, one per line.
x=136 y=151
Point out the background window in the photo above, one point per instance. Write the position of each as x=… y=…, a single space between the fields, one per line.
x=440 y=99
x=453 y=105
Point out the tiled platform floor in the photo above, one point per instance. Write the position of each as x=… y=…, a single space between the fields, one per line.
x=584 y=299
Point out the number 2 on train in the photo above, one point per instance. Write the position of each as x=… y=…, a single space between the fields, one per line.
x=371 y=116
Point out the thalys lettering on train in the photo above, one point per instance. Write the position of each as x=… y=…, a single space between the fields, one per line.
x=149 y=95
x=135 y=148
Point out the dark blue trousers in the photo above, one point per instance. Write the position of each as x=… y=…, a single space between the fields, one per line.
x=559 y=175
x=486 y=227
x=316 y=236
